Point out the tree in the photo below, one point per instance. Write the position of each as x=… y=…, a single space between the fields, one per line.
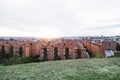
x=67 y=53
x=20 y=51
x=3 y=51
x=45 y=54
x=0 y=56
x=118 y=47
x=10 y=51
x=56 y=53
x=0 y=53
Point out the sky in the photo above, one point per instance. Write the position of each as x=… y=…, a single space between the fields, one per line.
x=58 y=18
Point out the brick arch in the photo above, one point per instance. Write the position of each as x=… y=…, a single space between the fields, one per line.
x=45 y=54
x=20 y=52
x=56 y=55
x=67 y=53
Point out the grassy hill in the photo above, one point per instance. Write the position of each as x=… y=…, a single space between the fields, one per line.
x=77 y=69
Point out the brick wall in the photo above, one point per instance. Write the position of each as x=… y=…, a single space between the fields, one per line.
x=36 y=48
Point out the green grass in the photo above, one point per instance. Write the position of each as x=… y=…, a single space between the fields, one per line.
x=77 y=69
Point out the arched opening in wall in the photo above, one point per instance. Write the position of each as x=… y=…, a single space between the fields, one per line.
x=45 y=54
x=56 y=56
x=78 y=52
x=67 y=56
x=21 y=51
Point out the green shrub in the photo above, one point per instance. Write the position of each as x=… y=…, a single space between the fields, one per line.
x=35 y=58
x=0 y=59
x=117 y=53
x=16 y=60
x=26 y=59
x=19 y=60
x=12 y=60
x=99 y=55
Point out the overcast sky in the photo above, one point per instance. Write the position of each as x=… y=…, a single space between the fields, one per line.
x=55 y=18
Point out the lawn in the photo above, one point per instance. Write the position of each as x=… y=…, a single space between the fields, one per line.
x=75 y=69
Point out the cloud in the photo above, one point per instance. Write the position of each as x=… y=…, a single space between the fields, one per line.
x=61 y=17
x=109 y=20
x=104 y=27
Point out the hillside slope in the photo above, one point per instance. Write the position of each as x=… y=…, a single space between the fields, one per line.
x=77 y=69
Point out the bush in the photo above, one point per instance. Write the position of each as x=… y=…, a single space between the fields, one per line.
x=19 y=60
x=118 y=47
x=117 y=53
x=35 y=58
x=16 y=60
x=12 y=60
x=26 y=59
x=99 y=55
x=1 y=59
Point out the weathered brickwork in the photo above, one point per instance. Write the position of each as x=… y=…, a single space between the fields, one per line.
x=99 y=48
x=48 y=49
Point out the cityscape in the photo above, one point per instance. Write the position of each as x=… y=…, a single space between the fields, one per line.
x=60 y=48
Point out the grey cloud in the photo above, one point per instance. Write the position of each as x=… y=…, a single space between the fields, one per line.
x=41 y=13
x=104 y=27
x=58 y=14
x=45 y=12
